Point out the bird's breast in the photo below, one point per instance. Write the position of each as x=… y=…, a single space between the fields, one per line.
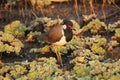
x=66 y=37
x=61 y=42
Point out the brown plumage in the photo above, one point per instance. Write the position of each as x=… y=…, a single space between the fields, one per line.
x=52 y=35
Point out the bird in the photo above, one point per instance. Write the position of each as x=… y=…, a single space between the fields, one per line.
x=58 y=35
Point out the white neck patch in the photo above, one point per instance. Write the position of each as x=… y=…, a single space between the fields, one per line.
x=64 y=26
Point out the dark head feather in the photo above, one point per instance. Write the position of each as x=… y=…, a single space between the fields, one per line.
x=67 y=22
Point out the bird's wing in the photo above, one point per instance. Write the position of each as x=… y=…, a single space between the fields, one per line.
x=55 y=34
x=43 y=37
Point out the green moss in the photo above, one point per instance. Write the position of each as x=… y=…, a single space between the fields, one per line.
x=7 y=37
x=95 y=26
x=46 y=68
x=8 y=48
x=97 y=49
x=10 y=44
x=2 y=47
x=115 y=78
x=32 y=75
x=16 y=28
x=45 y=49
x=117 y=32
x=101 y=41
x=80 y=70
x=76 y=27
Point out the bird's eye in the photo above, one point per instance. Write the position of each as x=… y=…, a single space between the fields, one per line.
x=64 y=26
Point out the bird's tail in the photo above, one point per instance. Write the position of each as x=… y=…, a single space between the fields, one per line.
x=36 y=38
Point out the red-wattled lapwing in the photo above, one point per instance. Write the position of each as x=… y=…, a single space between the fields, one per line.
x=58 y=35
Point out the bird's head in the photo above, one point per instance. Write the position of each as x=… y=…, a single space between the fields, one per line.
x=68 y=24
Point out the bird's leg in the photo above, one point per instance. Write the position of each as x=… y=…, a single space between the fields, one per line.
x=58 y=54
x=59 y=58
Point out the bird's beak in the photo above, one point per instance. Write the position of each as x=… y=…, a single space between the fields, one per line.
x=71 y=27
